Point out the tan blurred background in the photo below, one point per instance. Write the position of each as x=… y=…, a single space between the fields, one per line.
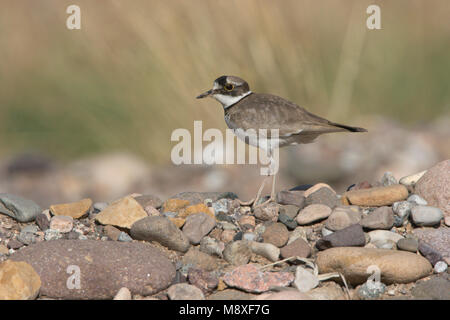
x=90 y=112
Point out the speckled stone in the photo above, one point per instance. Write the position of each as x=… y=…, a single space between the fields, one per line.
x=105 y=267
x=250 y=279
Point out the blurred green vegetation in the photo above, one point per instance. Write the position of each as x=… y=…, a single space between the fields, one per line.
x=129 y=77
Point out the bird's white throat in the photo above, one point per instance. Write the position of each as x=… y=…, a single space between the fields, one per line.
x=227 y=100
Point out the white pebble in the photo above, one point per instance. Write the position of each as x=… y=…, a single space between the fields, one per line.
x=414 y=198
x=440 y=267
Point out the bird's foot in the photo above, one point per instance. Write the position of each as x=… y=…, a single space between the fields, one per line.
x=255 y=205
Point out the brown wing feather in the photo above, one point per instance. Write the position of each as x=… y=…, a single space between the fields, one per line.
x=266 y=111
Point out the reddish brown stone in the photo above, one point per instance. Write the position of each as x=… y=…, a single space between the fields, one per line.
x=249 y=278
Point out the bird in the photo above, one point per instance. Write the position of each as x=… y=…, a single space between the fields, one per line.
x=249 y=112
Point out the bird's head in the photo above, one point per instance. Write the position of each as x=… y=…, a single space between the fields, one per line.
x=227 y=90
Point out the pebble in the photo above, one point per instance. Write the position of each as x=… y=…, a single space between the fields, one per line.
x=297 y=248
x=402 y=209
x=353 y=262
x=384 y=244
x=27 y=236
x=429 y=253
x=3 y=250
x=170 y=214
x=437 y=238
x=426 y=216
x=106 y=266
x=371 y=290
x=313 y=213
x=212 y=246
x=75 y=209
x=247 y=222
x=237 y=252
x=388 y=179
x=42 y=221
x=178 y=222
x=206 y=281
x=267 y=250
x=417 y=200
x=300 y=232
x=434 y=186
x=99 y=206
x=440 y=267
x=327 y=291
x=408 y=244
x=112 y=232
x=227 y=235
x=51 y=234
x=324 y=195
x=62 y=224
x=200 y=197
x=149 y=200
x=122 y=213
x=305 y=280
x=360 y=185
x=20 y=209
x=382 y=236
x=352 y=236
x=276 y=234
x=250 y=236
x=195 y=209
x=376 y=197
x=198 y=259
x=295 y=198
x=325 y=232
x=380 y=218
x=317 y=187
x=197 y=226
x=124 y=237
x=290 y=211
x=287 y=221
x=123 y=294
x=411 y=180
x=222 y=206
x=268 y=212
x=174 y=205
x=184 y=291
x=161 y=230
x=447 y=221
x=14 y=244
x=250 y=279
x=343 y=217
x=437 y=288
x=18 y=281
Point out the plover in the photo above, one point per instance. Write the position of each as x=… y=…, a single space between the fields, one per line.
x=246 y=110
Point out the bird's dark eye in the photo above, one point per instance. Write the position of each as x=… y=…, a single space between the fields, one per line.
x=229 y=86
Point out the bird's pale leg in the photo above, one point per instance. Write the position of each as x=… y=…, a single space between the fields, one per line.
x=258 y=195
x=272 y=193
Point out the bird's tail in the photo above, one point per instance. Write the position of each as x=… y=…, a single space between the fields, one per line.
x=349 y=128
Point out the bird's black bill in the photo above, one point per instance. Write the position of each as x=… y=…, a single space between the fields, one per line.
x=205 y=94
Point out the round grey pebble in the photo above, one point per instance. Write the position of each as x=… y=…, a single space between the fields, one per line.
x=418 y=200
x=408 y=245
x=426 y=216
x=124 y=237
x=440 y=267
